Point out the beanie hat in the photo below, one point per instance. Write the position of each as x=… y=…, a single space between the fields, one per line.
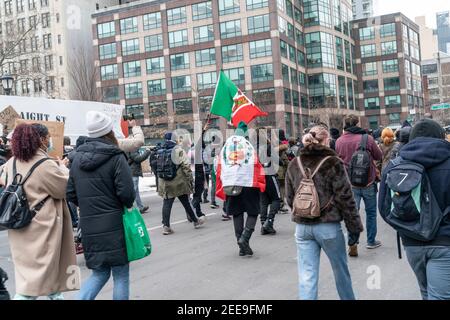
x=427 y=128
x=98 y=124
x=168 y=136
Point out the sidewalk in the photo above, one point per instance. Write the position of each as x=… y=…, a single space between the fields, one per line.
x=147 y=183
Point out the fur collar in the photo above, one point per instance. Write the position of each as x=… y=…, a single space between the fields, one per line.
x=317 y=150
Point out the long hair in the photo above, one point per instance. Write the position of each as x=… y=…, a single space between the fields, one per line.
x=111 y=138
x=25 y=142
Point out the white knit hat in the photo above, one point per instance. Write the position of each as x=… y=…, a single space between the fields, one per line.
x=98 y=124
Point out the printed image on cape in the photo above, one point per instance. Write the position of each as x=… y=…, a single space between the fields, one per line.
x=238 y=165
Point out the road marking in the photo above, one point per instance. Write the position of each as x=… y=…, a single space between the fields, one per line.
x=178 y=222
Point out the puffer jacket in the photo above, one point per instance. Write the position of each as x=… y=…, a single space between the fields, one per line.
x=101 y=185
x=331 y=183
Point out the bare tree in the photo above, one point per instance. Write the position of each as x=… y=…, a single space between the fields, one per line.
x=83 y=75
x=332 y=117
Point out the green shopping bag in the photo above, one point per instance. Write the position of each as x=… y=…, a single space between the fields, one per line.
x=136 y=235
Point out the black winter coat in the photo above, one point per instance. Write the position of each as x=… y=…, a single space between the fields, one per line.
x=135 y=160
x=101 y=185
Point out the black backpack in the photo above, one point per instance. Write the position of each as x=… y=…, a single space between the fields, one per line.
x=410 y=206
x=359 y=168
x=166 y=169
x=4 y=295
x=15 y=212
x=153 y=159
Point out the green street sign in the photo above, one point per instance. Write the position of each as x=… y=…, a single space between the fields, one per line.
x=440 y=106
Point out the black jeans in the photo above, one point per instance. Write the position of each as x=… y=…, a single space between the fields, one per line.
x=238 y=221
x=270 y=197
x=196 y=200
x=167 y=209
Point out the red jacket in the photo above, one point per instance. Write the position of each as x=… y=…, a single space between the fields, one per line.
x=348 y=143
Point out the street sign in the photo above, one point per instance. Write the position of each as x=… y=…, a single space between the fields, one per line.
x=440 y=106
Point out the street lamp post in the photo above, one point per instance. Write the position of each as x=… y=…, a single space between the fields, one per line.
x=7 y=83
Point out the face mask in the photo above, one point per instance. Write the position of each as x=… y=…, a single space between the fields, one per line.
x=50 y=147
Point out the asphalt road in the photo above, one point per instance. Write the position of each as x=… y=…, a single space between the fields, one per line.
x=204 y=263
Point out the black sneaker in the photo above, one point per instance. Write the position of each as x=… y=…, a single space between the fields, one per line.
x=214 y=205
x=144 y=210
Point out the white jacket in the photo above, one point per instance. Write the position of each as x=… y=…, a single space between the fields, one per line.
x=134 y=141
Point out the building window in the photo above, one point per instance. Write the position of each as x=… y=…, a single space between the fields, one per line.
x=257 y=4
x=130 y=47
x=153 y=43
x=57 y=18
x=176 y=16
x=228 y=7
x=205 y=57
x=50 y=84
x=317 y=12
x=59 y=39
x=406 y=47
x=285 y=72
x=367 y=33
x=387 y=30
x=60 y=60
x=413 y=36
x=294 y=77
x=287 y=96
x=370 y=69
x=21 y=25
x=392 y=101
x=44 y=3
x=32 y=4
x=262 y=72
x=152 y=21
x=232 y=53
x=373 y=122
x=236 y=75
x=391 y=84
x=128 y=25
x=36 y=64
x=368 y=50
x=342 y=92
x=47 y=41
x=292 y=54
x=302 y=78
x=320 y=50
x=157 y=109
x=283 y=49
x=206 y=80
x=178 y=38
x=133 y=90
x=295 y=100
x=370 y=86
x=289 y=10
x=260 y=48
x=203 y=34
x=298 y=15
x=339 y=54
x=37 y=85
x=388 y=47
x=48 y=63
x=45 y=17
x=394 y=118
x=156 y=87
x=107 y=51
x=181 y=84
x=132 y=69
x=258 y=24
x=372 y=103
x=109 y=72
x=8 y=7
x=105 y=30
x=155 y=65
x=390 y=66
x=111 y=94
x=137 y=110
x=201 y=10
x=230 y=29
x=299 y=37
x=179 y=61
x=182 y=106
x=264 y=96
x=322 y=90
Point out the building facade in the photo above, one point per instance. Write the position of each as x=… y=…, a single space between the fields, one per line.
x=443 y=31
x=161 y=59
x=428 y=39
x=362 y=9
x=388 y=66
x=38 y=39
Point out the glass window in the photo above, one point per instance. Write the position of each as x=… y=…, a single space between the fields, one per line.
x=283 y=49
x=370 y=86
x=373 y=122
x=387 y=30
x=204 y=103
x=394 y=118
x=182 y=106
x=152 y=20
x=256 y=4
x=322 y=90
x=370 y=69
x=367 y=33
x=372 y=103
x=260 y=48
x=317 y=12
x=294 y=77
x=285 y=72
x=282 y=26
x=320 y=50
x=107 y=51
x=155 y=65
x=128 y=25
x=299 y=38
x=290 y=29
x=137 y=110
x=258 y=24
x=298 y=15
x=236 y=75
x=262 y=72
x=393 y=101
x=264 y=96
x=132 y=69
x=289 y=9
x=339 y=54
x=429 y=68
x=133 y=90
x=107 y=29
x=232 y=53
x=205 y=57
x=176 y=16
x=178 y=38
x=157 y=109
x=302 y=78
x=391 y=84
x=206 y=80
x=201 y=10
x=181 y=84
x=203 y=34
x=153 y=43
x=368 y=50
x=342 y=92
x=287 y=96
x=228 y=7
x=110 y=94
x=292 y=54
x=230 y=29
x=390 y=66
x=351 y=101
x=295 y=100
x=388 y=47
x=156 y=87
x=130 y=47
x=109 y=72
x=406 y=47
x=301 y=58
x=179 y=61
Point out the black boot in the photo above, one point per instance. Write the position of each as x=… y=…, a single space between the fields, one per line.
x=243 y=242
x=268 y=227
x=263 y=230
x=241 y=251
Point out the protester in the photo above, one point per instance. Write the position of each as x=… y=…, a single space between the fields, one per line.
x=101 y=185
x=336 y=203
x=403 y=139
x=210 y=157
x=335 y=134
x=180 y=186
x=197 y=163
x=346 y=146
x=282 y=149
x=293 y=148
x=43 y=251
x=135 y=160
x=429 y=260
x=154 y=161
x=388 y=142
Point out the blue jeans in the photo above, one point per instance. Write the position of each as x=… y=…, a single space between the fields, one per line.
x=98 y=279
x=138 y=196
x=310 y=240
x=369 y=195
x=432 y=268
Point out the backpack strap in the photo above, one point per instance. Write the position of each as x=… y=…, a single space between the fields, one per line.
x=320 y=164
x=37 y=164
x=302 y=170
x=364 y=139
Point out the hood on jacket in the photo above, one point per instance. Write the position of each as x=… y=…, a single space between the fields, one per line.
x=95 y=152
x=404 y=134
x=429 y=152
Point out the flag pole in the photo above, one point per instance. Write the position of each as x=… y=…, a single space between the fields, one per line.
x=208 y=118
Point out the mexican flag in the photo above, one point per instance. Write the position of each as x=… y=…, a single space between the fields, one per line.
x=229 y=102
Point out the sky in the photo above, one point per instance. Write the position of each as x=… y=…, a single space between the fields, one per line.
x=413 y=8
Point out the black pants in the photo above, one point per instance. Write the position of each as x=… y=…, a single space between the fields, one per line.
x=238 y=221
x=167 y=209
x=205 y=191
x=196 y=200
x=270 y=197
